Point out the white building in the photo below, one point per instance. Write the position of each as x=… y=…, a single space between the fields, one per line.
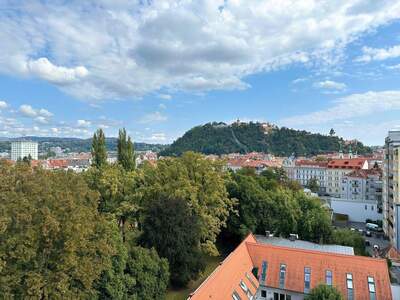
x=337 y=169
x=391 y=194
x=21 y=149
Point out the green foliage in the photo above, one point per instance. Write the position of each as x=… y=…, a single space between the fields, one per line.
x=150 y=274
x=117 y=190
x=266 y=202
x=313 y=185
x=54 y=243
x=220 y=138
x=350 y=238
x=197 y=181
x=126 y=153
x=99 y=151
x=174 y=231
x=324 y=292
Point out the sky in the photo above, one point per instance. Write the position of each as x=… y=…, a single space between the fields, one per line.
x=159 y=68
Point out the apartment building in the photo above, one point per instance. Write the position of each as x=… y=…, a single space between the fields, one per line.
x=391 y=195
x=337 y=169
x=258 y=270
x=21 y=149
x=361 y=195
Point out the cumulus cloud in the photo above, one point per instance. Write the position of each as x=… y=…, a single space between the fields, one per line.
x=330 y=85
x=3 y=105
x=44 y=69
x=352 y=106
x=165 y=96
x=83 y=123
x=123 y=49
x=378 y=54
x=38 y=114
x=155 y=117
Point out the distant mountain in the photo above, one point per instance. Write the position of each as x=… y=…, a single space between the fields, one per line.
x=74 y=144
x=220 y=138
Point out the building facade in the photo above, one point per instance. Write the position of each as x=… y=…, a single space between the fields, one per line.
x=391 y=194
x=258 y=270
x=21 y=149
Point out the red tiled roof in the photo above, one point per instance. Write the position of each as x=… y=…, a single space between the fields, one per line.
x=364 y=173
x=352 y=163
x=57 y=163
x=312 y=163
x=227 y=276
x=249 y=254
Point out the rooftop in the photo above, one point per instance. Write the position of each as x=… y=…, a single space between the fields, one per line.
x=305 y=245
x=234 y=275
x=351 y=163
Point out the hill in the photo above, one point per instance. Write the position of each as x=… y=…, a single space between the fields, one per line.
x=220 y=138
x=75 y=144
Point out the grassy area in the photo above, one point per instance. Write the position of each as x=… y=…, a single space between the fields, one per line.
x=182 y=294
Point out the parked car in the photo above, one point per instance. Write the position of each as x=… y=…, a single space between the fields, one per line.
x=368 y=233
x=371 y=226
x=367 y=243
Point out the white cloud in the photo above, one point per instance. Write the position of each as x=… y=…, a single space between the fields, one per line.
x=83 y=123
x=44 y=69
x=124 y=49
x=3 y=104
x=330 y=85
x=165 y=96
x=352 y=106
x=378 y=54
x=42 y=116
x=394 y=67
x=155 y=117
x=162 y=106
x=27 y=111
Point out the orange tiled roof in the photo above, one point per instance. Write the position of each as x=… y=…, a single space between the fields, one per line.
x=313 y=163
x=227 y=276
x=352 y=163
x=250 y=253
x=360 y=173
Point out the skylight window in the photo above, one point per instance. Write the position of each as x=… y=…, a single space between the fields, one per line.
x=282 y=275
x=264 y=269
x=350 y=291
x=235 y=296
x=307 y=279
x=328 y=277
x=371 y=288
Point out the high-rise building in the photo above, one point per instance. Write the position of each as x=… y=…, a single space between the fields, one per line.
x=21 y=149
x=390 y=193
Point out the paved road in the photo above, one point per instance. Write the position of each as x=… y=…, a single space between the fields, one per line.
x=375 y=239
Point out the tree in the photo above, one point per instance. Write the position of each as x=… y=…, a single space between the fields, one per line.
x=324 y=292
x=350 y=238
x=54 y=243
x=174 y=231
x=150 y=274
x=99 y=150
x=313 y=185
x=197 y=181
x=118 y=194
x=126 y=154
x=332 y=132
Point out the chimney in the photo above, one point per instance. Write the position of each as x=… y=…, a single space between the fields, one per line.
x=293 y=237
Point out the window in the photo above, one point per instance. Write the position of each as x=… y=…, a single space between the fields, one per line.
x=263 y=293
x=372 y=207
x=349 y=281
x=235 y=296
x=282 y=274
x=251 y=280
x=307 y=279
x=365 y=207
x=371 y=288
x=264 y=269
x=328 y=277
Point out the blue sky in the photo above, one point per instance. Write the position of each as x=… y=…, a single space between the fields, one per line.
x=159 y=68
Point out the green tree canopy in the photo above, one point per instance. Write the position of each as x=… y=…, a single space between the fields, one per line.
x=174 y=231
x=313 y=185
x=99 y=150
x=54 y=243
x=126 y=153
x=350 y=238
x=196 y=180
x=324 y=292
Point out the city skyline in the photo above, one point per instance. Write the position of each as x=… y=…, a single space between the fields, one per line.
x=158 y=69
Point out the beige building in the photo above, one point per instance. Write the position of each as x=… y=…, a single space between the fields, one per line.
x=390 y=194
